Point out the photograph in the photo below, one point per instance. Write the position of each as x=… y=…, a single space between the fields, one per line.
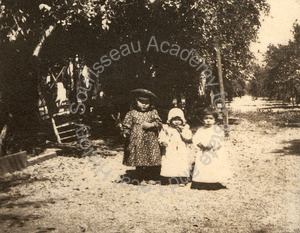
x=150 y=116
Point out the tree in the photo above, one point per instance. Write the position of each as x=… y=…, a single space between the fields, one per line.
x=39 y=35
x=26 y=27
x=191 y=24
x=280 y=78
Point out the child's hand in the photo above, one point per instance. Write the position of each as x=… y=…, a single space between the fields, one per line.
x=164 y=144
x=180 y=128
x=147 y=125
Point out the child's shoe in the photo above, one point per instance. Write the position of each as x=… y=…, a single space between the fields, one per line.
x=143 y=183
x=152 y=182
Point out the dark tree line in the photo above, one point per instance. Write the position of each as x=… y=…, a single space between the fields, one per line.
x=280 y=77
x=38 y=35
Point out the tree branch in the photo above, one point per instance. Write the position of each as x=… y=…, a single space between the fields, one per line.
x=47 y=33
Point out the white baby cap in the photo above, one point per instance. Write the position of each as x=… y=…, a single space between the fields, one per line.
x=176 y=112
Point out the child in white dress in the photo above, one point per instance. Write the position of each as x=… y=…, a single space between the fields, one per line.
x=211 y=165
x=173 y=138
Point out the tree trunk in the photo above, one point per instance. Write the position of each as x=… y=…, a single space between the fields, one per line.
x=2 y=138
x=222 y=91
x=33 y=79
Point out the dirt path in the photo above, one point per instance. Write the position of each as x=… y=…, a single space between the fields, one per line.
x=248 y=103
x=64 y=195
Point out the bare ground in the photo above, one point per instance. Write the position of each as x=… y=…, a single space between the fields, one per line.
x=65 y=195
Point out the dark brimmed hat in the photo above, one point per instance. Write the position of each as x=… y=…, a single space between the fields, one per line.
x=143 y=93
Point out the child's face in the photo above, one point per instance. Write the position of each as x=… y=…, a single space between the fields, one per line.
x=143 y=105
x=176 y=121
x=209 y=121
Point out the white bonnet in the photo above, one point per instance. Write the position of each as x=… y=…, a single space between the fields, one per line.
x=176 y=112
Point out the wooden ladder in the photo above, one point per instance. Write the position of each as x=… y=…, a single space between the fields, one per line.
x=63 y=124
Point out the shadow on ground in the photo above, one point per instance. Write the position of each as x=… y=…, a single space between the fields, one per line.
x=106 y=146
x=35 y=204
x=135 y=177
x=18 y=220
x=110 y=143
x=293 y=148
x=14 y=202
x=6 y=183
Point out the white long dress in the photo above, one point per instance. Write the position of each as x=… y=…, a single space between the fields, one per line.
x=212 y=165
x=176 y=160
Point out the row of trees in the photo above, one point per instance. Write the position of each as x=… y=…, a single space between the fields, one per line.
x=38 y=35
x=280 y=77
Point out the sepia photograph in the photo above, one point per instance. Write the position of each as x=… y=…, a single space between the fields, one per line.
x=150 y=116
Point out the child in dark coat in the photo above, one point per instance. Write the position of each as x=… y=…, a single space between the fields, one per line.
x=140 y=127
